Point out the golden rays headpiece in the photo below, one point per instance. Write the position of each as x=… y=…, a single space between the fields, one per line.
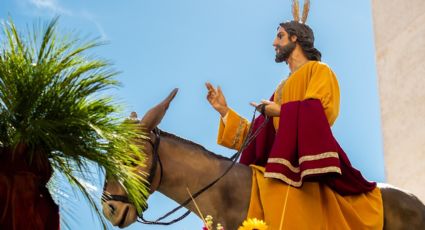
x=296 y=10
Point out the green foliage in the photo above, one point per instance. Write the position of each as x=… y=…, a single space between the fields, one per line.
x=52 y=98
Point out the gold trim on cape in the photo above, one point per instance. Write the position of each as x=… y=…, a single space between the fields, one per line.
x=284 y=162
x=296 y=169
x=303 y=174
x=318 y=157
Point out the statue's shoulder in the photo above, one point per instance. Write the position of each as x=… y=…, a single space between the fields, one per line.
x=321 y=65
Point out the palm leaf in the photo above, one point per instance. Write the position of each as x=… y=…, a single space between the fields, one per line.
x=53 y=101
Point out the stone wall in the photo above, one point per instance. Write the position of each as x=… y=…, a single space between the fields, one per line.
x=399 y=28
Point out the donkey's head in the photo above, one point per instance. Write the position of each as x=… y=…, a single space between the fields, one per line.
x=116 y=206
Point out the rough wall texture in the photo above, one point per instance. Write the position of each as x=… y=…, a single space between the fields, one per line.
x=399 y=28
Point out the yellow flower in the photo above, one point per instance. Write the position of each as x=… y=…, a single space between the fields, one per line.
x=219 y=227
x=209 y=222
x=253 y=224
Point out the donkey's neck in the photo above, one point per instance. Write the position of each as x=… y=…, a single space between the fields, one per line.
x=189 y=166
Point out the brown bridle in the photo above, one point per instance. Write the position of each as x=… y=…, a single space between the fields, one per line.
x=157 y=160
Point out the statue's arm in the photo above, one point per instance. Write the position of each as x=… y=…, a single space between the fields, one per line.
x=232 y=130
x=324 y=87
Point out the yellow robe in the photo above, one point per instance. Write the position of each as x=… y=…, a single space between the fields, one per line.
x=314 y=205
x=313 y=80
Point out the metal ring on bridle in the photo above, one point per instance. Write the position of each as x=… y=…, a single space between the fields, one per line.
x=251 y=136
x=156 y=159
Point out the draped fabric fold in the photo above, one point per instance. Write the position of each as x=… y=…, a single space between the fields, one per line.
x=304 y=149
x=314 y=206
x=25 y=202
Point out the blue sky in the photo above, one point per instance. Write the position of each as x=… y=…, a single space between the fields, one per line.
x=159 y=45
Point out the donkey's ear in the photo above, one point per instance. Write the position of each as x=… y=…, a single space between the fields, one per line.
x=154 y=116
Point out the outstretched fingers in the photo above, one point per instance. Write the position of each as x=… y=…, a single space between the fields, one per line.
x=210 y=87
x=212 y=92
x=220 y=93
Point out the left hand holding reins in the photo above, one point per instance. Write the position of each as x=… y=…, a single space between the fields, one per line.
x=267 y=108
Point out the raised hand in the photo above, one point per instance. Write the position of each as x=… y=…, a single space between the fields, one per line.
x=216 y=98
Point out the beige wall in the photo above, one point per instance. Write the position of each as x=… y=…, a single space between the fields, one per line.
x=399 y=28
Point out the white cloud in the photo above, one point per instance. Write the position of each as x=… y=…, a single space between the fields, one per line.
x=50 y=5
x=101 y=30
x=53 y=7
x=99 y=27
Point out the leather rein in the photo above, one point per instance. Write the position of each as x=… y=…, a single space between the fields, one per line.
x=106 y=196
x=156 y=160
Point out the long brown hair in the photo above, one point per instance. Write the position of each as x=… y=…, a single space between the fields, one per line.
x=305 y=38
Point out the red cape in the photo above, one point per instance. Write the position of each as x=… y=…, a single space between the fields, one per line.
x=304 y=149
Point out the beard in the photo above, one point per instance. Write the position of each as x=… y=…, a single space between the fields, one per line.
x=283 y=52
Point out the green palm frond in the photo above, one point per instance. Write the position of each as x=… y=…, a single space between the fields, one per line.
x=53 y=101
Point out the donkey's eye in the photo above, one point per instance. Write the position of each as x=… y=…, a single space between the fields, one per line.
x=112 y=208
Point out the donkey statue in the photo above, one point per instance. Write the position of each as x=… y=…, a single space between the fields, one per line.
x=184 y=164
